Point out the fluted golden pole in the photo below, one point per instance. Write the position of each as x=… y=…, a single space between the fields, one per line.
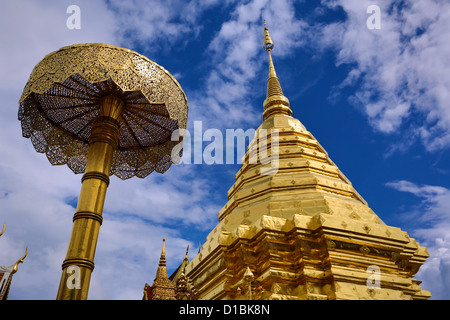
x=79 y=262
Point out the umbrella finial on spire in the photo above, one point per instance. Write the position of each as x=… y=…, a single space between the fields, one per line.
x=268 y=43
x=276 y=103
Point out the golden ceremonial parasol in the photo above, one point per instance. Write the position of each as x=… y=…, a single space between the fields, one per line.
x=102 y=110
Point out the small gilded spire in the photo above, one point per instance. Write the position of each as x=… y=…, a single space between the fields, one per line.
x=162 y=259
x=161 y=271
x=276 y=103
x=162 y=288
x=187 y=252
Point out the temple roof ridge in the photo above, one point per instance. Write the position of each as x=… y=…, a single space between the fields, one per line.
x=6 y=272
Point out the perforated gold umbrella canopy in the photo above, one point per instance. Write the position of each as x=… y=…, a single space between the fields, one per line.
x=59 y=106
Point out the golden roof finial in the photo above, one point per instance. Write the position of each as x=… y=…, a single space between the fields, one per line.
x=20 y=261
x=3 y=230
x=276 y=102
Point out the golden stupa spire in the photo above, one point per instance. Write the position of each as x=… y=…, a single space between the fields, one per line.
x=276 y=103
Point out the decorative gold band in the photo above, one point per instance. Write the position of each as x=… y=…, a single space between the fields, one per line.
x=96 y=175
x=276 y=109
x=106 y=119
x=88 y=215
x=274 y=102
x=277 y=99
x=84 y=263
x=106 y=130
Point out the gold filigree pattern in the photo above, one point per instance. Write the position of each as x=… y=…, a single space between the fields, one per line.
x=59 y=105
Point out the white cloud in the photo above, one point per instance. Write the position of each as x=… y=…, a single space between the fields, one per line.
x=404 y=66
x=182 y=195
x=430 y=193
x=157 y=24
x=432 y=223
x=32 y=29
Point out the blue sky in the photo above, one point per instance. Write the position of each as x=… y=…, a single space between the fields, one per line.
x=377 y=101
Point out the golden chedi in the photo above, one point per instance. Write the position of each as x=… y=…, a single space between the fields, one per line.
x=299 y=230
